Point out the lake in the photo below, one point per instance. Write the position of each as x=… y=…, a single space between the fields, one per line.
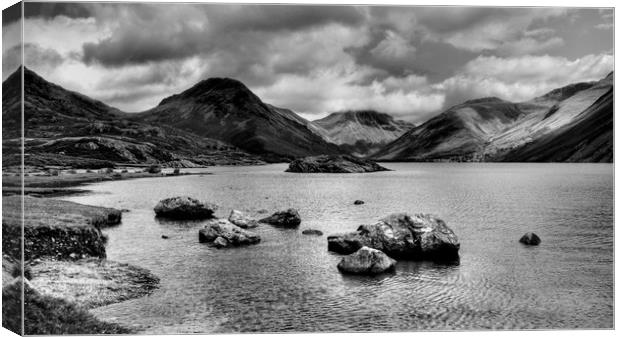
x=289 y=282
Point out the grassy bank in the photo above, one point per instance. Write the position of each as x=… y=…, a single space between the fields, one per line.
x=55 y=228
x=66 y=273
x=63 y=182
x=46 y=315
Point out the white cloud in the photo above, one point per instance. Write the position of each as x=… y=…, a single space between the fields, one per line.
x=521 y=78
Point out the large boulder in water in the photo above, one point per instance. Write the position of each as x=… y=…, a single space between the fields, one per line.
x=333 y=164
x=402 y=236
x=241 y=220
x=530 y=239
x=366 y=261
x=289 y=218
x=223 y=233
x=184 y=208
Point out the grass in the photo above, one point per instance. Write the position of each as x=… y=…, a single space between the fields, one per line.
x=56 y=228
x=52 y=212
x=46 y=315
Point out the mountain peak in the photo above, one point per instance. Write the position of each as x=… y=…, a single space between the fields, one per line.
x=215 y=88
x=490 y=99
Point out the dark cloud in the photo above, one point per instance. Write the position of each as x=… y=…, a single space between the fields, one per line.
x=11 y=14
x=50 y=10
x=152 y=33
x=280 y=17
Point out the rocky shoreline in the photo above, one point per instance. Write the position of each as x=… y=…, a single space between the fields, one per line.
x=66 y=271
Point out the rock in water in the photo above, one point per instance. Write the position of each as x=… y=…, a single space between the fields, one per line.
x=358 y=202
x=223 y=229
x=241 y=220
x=366 y=261
x=220 y=242
x=530 y=239
x=289 y=218
x=184 y=208
x=333 y=164
x=312 y=232
x=401 y=236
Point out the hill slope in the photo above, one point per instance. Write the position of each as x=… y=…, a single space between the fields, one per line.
x=66 y=128
x=227 y=110
x=362 y=132
x=572 y=123
x=458 y=133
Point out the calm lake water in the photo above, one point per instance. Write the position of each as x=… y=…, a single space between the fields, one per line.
x=289 y=282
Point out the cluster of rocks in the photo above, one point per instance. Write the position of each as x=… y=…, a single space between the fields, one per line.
x=223 y=233
x=373 y=248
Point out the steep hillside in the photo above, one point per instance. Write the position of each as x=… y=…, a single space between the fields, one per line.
x=227 y=110
x=459 y=133
x=361 y=133
x=69 y=129
x=587 y=138
x=572 y=123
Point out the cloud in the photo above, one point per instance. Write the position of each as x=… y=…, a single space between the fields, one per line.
x=408 y=61
x=521 y=78
x=479 y=29
x=152 y=33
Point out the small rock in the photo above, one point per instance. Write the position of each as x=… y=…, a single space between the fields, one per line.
x=220 y=242
x=124 y=210
x=164 y=236
x=312 y=232
x=368 y=261
x=530 y=239
x=358 y=202
x=241 y=220
x=235 y=235
x=289 y=218
x=262 y=211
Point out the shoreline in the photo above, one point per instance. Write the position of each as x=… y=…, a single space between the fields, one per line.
x=65 y=265
x=66 y=183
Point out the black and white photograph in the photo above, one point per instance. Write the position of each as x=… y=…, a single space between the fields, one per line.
x=207 y=168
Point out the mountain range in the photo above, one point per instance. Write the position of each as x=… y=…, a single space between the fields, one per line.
x=569 y=124
x=220 y=121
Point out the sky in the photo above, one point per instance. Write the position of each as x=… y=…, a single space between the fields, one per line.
x=411 y=62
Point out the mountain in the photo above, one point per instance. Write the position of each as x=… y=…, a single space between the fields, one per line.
x=578 y=128
x=227 y=110
x=572 y=123
x=361 y=132
x=461 y=131
x=69 y=129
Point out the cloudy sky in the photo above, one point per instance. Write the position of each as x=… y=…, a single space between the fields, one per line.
x=411 y=62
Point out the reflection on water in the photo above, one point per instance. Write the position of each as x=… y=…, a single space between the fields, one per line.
x=289 y=282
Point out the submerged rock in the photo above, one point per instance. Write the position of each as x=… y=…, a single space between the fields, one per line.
x=334 y=164
x=184 y=208
x=289 y=218
x=358 y=202
x=530 y=239
x=402 y=236
x=223 y=230
x=366 y=261
x=312 y=232
x=241 y=220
